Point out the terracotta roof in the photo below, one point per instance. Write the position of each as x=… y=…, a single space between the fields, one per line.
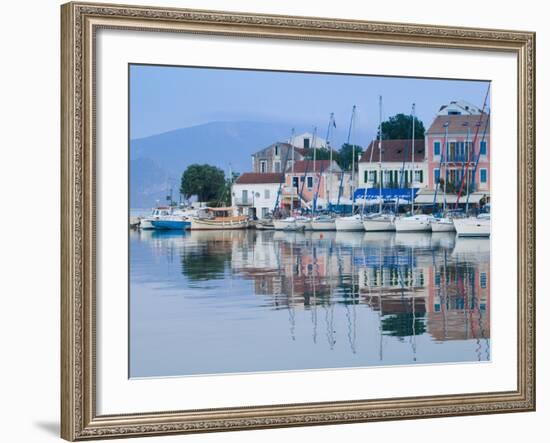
x=394 y=151
x=301 y=166
x=458 y=124
x=253 y=178
x=303 y=151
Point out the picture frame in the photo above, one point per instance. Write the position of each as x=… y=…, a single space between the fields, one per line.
x=80 y=24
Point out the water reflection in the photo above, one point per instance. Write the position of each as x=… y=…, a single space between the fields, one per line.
x=263 y=300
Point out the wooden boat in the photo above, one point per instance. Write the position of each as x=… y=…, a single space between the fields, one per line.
x=264 y=224
x=218 y=218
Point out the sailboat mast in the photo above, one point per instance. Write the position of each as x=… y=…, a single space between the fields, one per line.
x=380 y=154
x=292 y=180
x=329 y=190
x=412 y=160
x=468 y=169
x=352 y=159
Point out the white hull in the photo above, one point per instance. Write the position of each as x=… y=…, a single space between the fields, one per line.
x=349 y=224
x=146 y=224
x=281 y=225
x=197 y=224
x=444 y=225
x=413 y=224
x=304 y=224
x=376 y=224
x=472 y=227
x=323 y=225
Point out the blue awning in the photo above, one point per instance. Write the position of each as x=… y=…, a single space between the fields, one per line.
x=389 y=194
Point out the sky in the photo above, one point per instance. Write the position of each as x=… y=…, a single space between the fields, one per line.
x=164 y=98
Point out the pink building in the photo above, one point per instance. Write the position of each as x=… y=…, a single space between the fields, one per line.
x=468 y=139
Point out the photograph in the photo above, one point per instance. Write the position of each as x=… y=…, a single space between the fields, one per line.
x=293 y=221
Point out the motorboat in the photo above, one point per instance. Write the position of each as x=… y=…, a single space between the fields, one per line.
x=414 y=223
x=379 y=222
x=171 y=222
x=350 y=223
x=156 y=213
x=479 y=226
x=323 y=223
x=218 y=218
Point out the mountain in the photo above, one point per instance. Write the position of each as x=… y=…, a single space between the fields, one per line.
x=157 y=162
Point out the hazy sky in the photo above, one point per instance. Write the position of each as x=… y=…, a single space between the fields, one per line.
x=166 y=98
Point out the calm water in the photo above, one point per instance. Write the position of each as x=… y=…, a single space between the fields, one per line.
x=248 y=301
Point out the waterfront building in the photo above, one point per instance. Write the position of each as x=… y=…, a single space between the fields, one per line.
x=255 y=194
x=468 y=143
x=396 y=169
x=321 y=179
x=277 y=156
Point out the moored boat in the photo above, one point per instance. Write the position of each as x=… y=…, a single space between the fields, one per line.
x=218 y=218
x=379 y=222
x=479 y=226
x=443 y=224
x=172 y=222
x=414 y=223
x=264 y=224
x=323 y=223
x=156 y=213
x=350 y=223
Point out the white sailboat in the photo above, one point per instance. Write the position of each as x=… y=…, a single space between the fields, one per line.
x=413 y=222
x=323 y=223
x=445 y=223
x=479 y=226
x=350 y=223
x=380 y=221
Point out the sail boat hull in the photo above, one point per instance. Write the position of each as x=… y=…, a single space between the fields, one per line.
x=442 y=225
x=349 y=224
x=473 y=227
x=377 y=224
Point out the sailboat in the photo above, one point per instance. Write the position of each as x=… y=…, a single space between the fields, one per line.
x=443 y=223
x=380 y=221
x=479 y=226
x=413 y=222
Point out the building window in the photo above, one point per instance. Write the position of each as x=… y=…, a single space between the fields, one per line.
x=295 y=181
x=483 y=147
x=276 y=150
x=265 y=212
x=436 y=175
x=310 y=183
x=483 y=175
x=263 y=166
x=277 y=166
x=483 y=280
x=267 y=194
x=306 y=143
x=418 y=176
x=372 y=176
x=437 y=148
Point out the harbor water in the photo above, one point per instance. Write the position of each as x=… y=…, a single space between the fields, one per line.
x=216 y=302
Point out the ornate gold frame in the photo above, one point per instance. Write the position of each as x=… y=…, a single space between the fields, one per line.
x=79 y=420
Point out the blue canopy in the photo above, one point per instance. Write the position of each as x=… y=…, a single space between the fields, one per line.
x=402 y=194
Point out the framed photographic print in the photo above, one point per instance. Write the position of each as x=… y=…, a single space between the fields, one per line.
x=283 y=221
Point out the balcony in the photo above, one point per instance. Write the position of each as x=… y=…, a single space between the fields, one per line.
x=239 y=201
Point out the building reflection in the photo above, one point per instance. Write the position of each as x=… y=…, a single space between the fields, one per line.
x=416 y=283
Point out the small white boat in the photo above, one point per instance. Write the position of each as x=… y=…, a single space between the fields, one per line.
x=218 y=218
x=414 y=223
x=323 y=223
x=379 y=222
x=304 y=221
x=479 y=226
x=443 y=224
x=281 y=224
x=351 y=223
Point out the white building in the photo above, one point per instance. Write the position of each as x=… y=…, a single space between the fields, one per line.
x=255 y=194
x=396 y=158
x=307 y=140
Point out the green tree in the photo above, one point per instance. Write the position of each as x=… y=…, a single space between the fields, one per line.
x=399 y=127
x=205 y=181
x=323 y=154
x=345 y=155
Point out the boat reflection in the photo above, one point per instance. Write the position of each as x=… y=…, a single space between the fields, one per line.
x=413 y=284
